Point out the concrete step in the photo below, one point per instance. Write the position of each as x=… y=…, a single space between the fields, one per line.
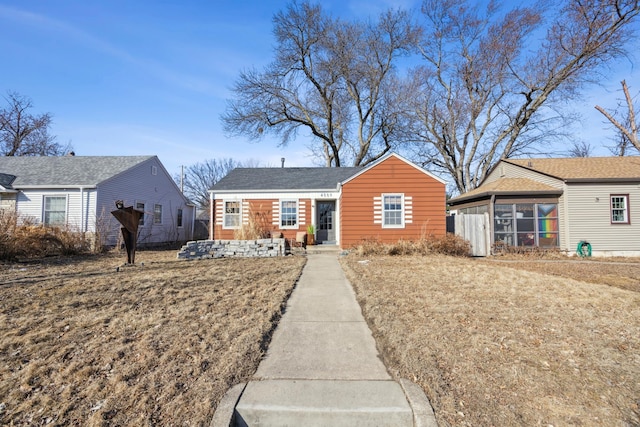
x=323 y=403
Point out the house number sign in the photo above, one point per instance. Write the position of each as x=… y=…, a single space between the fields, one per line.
x=325 y=194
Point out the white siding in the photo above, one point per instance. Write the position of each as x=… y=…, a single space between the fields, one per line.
x=139 y=184
x=30 y=203
x=589 y=217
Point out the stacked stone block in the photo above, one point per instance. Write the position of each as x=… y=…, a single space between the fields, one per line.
x=203 y=249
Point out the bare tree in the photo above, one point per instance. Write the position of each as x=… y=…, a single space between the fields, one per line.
x=627 y=131
x=200 y=177
x=580 y=149
x=329 y=77
x=490 y=90
x=24 y=134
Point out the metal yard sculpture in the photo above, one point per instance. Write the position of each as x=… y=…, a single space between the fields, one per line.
x=129 y=218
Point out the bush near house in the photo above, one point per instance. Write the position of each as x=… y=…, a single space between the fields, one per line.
x=23 y=238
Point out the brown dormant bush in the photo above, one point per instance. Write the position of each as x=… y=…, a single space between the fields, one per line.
x=449 y=244
x=25 y=239
x=258 y=226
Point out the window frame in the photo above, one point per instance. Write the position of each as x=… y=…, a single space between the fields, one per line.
x=157 y=214
x=138 y=208
x=385 y=211
x=627 y=216
x=295 y=212
x=226 y=215
x=507 y=224
x=179 y=218
x=47 y=222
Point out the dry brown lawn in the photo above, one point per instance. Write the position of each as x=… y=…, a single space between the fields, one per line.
x=509 y=344
x=152 y=344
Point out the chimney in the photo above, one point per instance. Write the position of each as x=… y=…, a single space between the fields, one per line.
x=282 y=160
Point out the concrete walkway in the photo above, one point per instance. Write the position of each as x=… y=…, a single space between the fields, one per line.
x=322 y=367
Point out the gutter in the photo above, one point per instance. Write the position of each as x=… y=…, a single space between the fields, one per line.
x=462 y=199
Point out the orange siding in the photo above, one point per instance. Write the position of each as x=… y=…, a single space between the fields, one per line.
x=262 y=210
x=391 y=176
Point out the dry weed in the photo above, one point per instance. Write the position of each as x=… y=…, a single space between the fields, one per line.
x=152 y=344
x=498 y=346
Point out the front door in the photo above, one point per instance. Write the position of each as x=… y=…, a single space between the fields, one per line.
x=326 y=212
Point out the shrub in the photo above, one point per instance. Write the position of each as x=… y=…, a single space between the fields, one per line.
x=25 y=239
x=449 y=244
x=258 y=226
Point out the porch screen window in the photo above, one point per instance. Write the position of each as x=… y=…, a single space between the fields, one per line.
x=157 y=214
x=526 y=224
x=289 y=214
x=231 y=214
x=619 y=209
x=392 y=211
x=55 y=210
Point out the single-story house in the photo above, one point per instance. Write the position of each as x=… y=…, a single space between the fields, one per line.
x=388 y=200
x=80 y=192
x=561 y=203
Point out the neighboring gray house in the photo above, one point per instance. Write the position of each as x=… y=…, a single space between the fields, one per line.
x=561 y=202
x=80 y=192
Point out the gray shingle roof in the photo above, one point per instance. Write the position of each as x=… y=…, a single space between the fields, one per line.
x=66 y=170
x=262 y=179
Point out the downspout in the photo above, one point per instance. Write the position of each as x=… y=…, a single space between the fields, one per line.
x=566 y=222
x=82 y=224
x=211 y=216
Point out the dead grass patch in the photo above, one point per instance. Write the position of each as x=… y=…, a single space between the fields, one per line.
x=623 y=273
x=498 y=346
x=153 y=344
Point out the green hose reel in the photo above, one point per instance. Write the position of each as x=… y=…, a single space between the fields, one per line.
x=583 y=249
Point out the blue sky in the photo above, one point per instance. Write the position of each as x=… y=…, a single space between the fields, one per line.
x=143 y=77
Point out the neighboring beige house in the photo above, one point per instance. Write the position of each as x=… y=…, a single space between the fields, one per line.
x=561 y=202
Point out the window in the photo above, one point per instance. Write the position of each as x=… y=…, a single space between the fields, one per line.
x=55 y=210
x=548 y=225
x=231 y=215
x=140 y=207
x=288 y=214
x=154 y=170
x=179 y=218
x=620 y=209
x=526 y=224
x=392 y=213
x=157 y=214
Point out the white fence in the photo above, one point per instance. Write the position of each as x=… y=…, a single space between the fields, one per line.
x=477 y=230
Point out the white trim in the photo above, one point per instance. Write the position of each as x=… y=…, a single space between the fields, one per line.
x=161 y=214
x=402 y=211
x=66 y=208
x=297 y=219
x=224 y=214
x=144 y=211
x=277 y=195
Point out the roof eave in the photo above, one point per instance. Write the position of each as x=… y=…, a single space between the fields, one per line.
x=486 y=194
x=56 y=187
x=278 y=190
x=600 y=180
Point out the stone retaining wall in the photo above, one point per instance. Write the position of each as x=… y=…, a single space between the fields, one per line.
x=202 y=249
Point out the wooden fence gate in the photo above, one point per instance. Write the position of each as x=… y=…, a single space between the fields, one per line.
x=476 y=229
